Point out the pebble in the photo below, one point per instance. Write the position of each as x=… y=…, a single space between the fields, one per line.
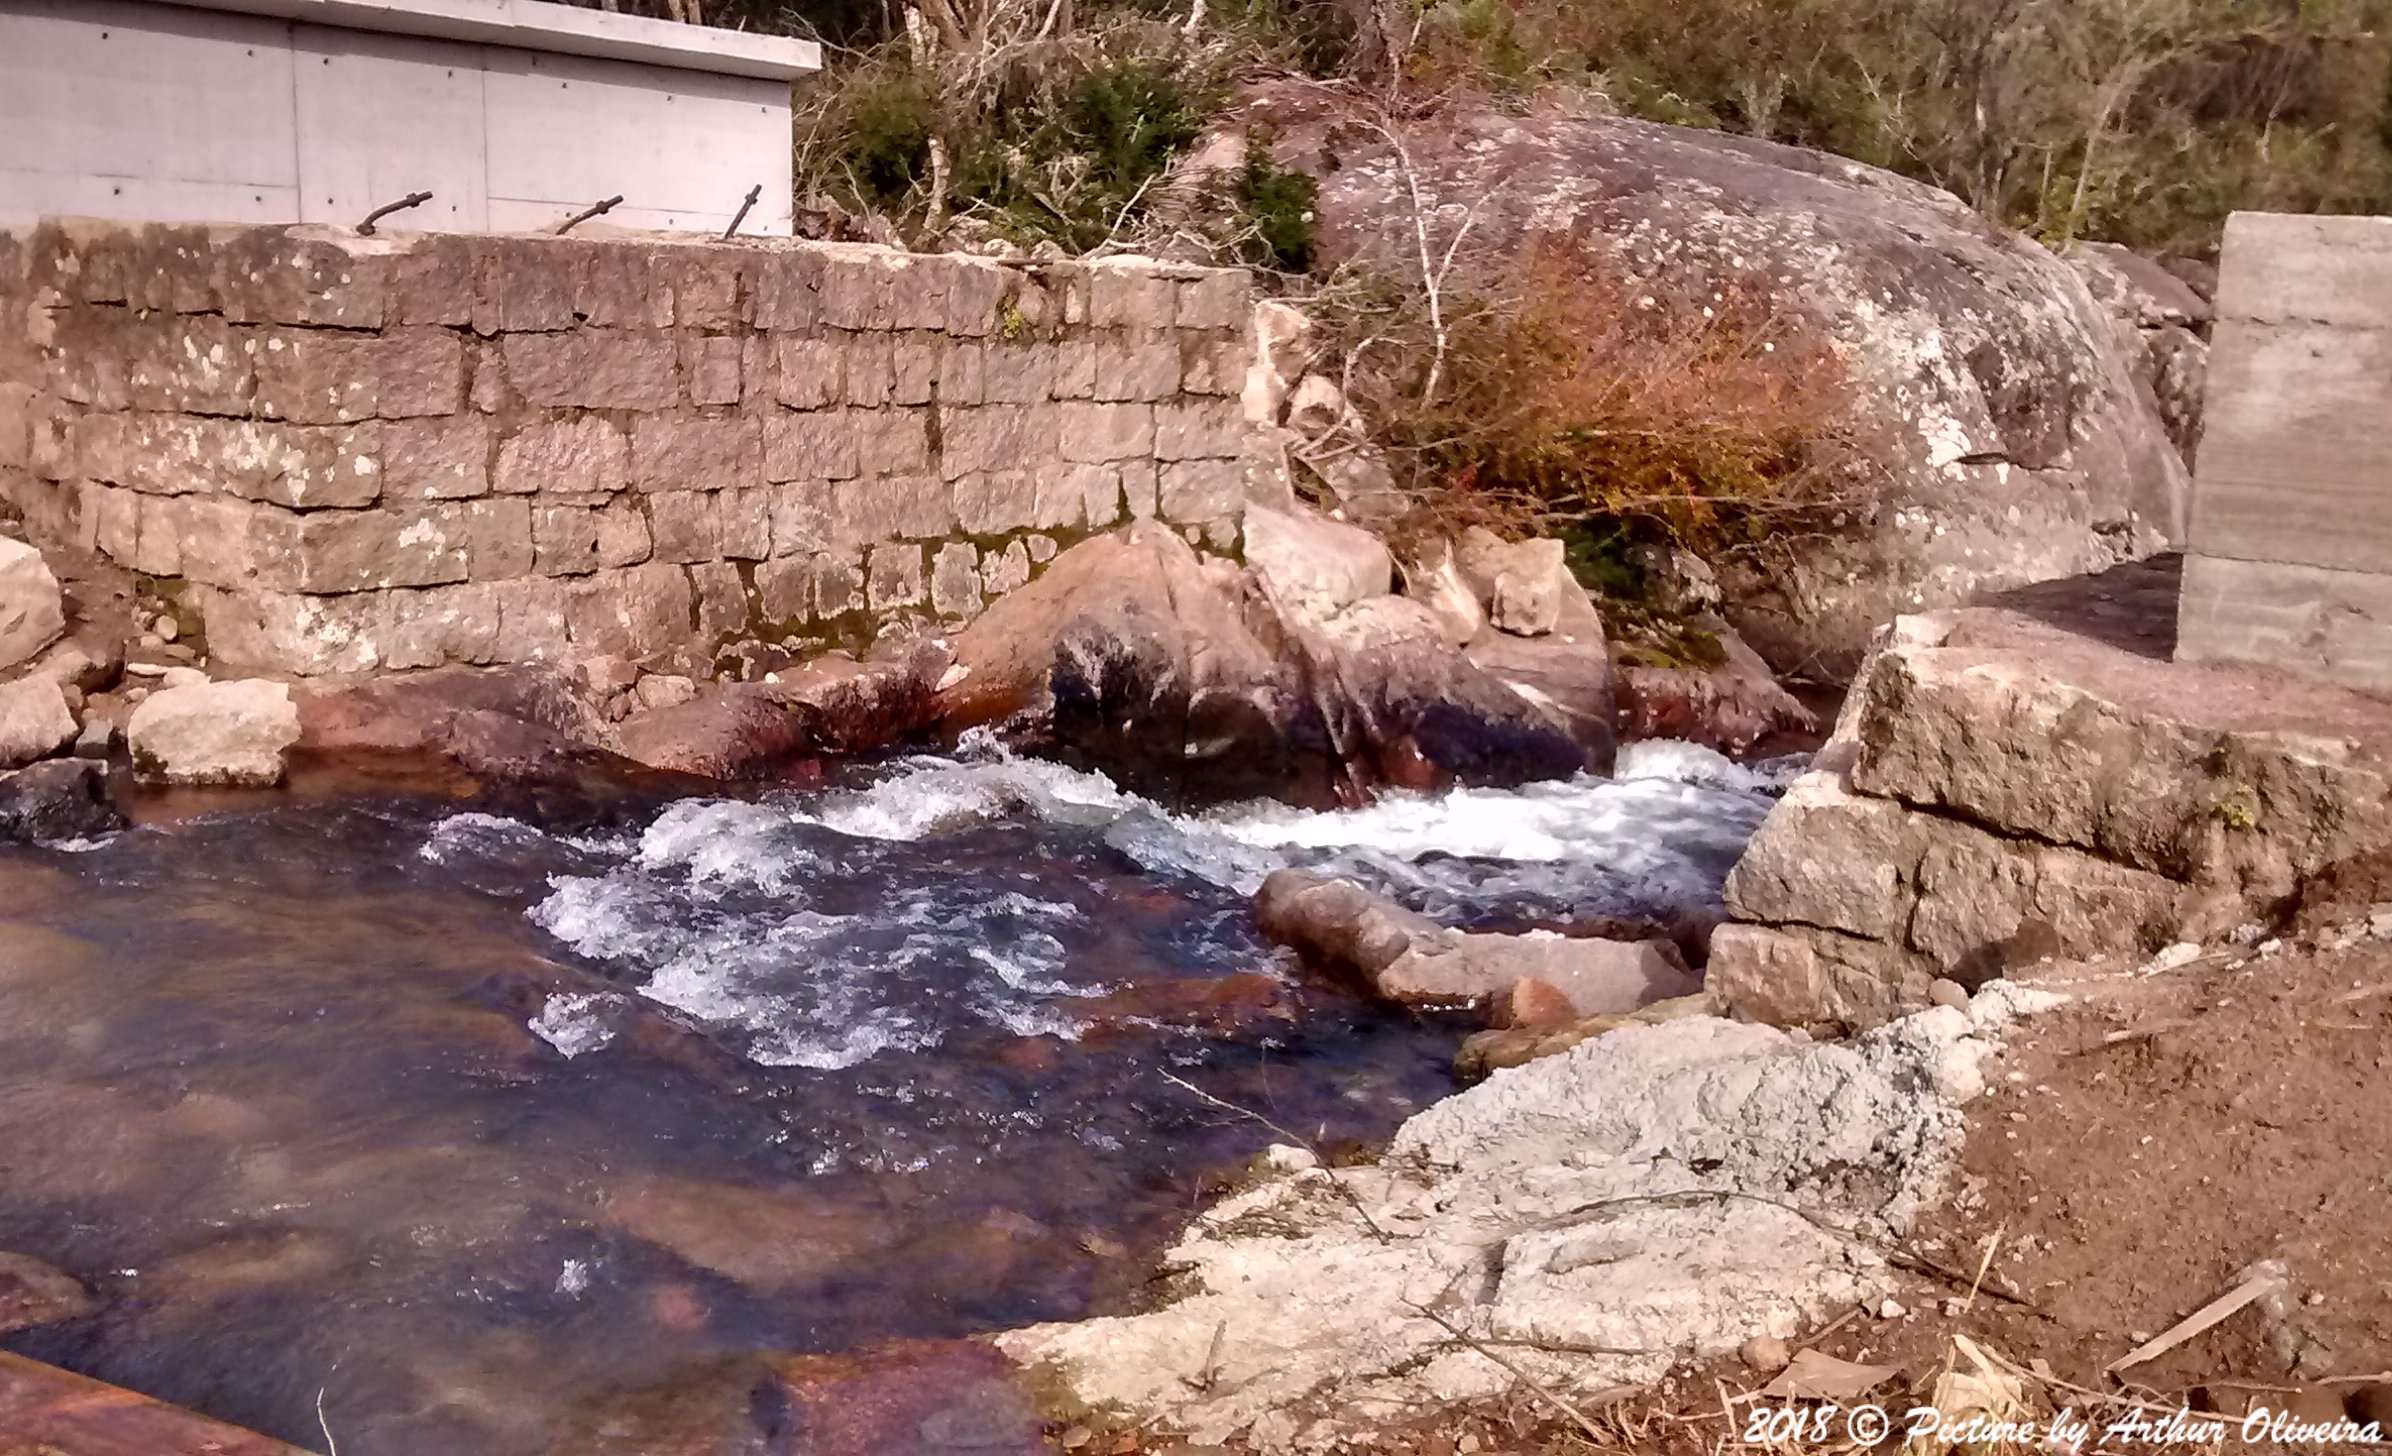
x=1766 y=1354
x=167 y=629
x=1948 y=993
x=1891 y=1310
x=1281 y=1158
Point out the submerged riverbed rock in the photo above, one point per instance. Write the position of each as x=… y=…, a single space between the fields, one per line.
x=1408 y=958
x=63 y=799
x=1532 y=1213
x=214 y=733
x=33 y=1294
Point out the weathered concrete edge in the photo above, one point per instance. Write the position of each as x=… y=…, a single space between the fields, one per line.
x=535 y=25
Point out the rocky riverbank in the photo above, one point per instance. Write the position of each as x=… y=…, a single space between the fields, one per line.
x=2042 y=813
x=1581 y=1223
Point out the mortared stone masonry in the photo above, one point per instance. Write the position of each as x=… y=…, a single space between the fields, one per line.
x=349 y=454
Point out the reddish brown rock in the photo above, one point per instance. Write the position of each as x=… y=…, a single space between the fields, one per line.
x=1395 y=953
x=729 y=731
x=1531 y=1004
x=1731 y=704
x=1187 y=679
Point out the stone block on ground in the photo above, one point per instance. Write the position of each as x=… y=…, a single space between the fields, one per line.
x=35 y=721
x=1314 y=564
x=214 y=733
x=1523 y=584
x=32 y=613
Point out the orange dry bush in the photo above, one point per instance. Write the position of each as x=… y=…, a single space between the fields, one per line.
x=1573 y=393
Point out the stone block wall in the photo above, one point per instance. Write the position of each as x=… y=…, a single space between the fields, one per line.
x=1988 y=802
x=344 y=454
x=2289 y=563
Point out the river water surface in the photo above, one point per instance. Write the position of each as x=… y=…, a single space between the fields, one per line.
x=428 y=1130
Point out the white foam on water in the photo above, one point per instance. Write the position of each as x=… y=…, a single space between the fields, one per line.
x=732 y=912
x=574 y=1021
x=471 y=835
x=726 y=842
x=925 y=797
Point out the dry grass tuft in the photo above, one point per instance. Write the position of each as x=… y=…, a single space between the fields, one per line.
x=1570 y=397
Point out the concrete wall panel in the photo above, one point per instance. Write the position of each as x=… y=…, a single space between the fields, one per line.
x=2321 y=270
x=355 y=91
x=165 y=107
x=2290 y=554
x=141 y=110
x=2296 y=455
x=2332 y=624
x=566 y=132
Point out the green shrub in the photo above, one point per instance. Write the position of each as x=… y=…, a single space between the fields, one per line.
x=1277 y=204
x=1130 y=120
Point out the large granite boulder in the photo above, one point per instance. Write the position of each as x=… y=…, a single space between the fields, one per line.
x=1193 y=679
x=1732 y=702
x=2161 y=326
x=232 y=733
x=2007 y=437
x=32 y=613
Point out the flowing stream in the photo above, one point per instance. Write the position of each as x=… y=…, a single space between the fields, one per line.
x=440 y=1131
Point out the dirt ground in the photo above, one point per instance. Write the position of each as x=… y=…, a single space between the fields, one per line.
x=2139 y=1151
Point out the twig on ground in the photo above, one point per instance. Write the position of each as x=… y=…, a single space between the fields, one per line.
x=2255 y=1287
x=1353 y=1199
x=1812 y=1341
x=1543 y=1392
x=331 y=1447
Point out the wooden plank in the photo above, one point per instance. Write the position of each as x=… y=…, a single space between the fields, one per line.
x=46 y=1411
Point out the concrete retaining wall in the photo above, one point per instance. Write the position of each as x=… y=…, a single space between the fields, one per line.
x=2290 y=558
x=513 y=113
x=352 y=454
